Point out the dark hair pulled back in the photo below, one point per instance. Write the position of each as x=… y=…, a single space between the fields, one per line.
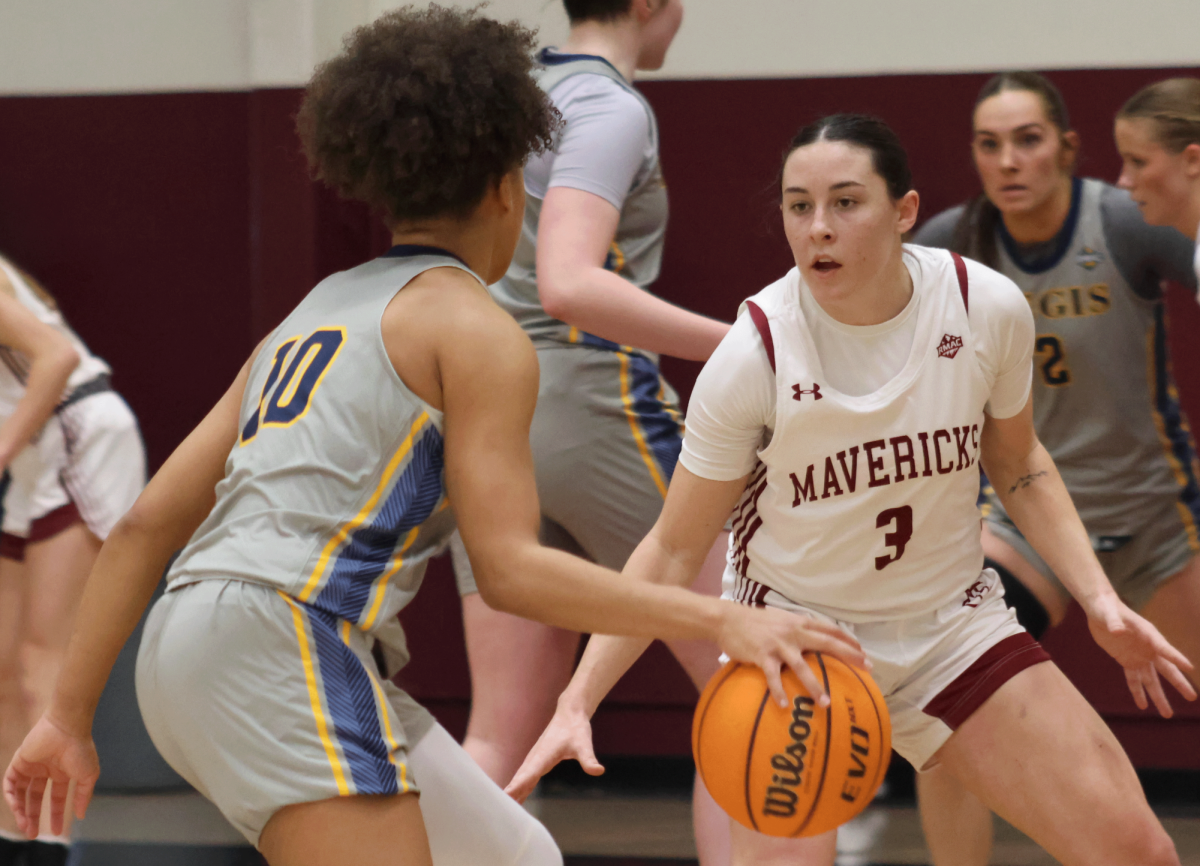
x=975 y=233
x=888 y=156
x=424 y=110
x=596 y=10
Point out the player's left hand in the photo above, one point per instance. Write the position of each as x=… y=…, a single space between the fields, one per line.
x=1142 y=651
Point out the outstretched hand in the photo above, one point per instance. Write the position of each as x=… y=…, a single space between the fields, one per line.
x=50 y=757
x=1142 y=651
x=771 y=638
x=568 y=736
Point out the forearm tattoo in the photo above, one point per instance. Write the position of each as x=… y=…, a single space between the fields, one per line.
x=1025 y=480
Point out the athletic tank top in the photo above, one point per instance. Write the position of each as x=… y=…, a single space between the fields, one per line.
x=333 y=493
x=863 y=508
x=1104 y=402
x=636 y=251
x=14 y=365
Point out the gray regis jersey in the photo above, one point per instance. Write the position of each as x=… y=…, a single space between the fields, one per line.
x=1104 y=403
x=583 y=159
x=333 y=494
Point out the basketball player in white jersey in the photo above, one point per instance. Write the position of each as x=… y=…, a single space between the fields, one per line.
x=1104 y=403
x=608 y=427
x=844 y=419
x=72 y=464
x=316 y=490
x=1158 y=135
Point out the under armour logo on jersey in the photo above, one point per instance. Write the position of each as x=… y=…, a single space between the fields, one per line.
x=949 y=346
x=815 y=390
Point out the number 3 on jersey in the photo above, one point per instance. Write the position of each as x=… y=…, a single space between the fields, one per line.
x=903 y=518
x=293 y=391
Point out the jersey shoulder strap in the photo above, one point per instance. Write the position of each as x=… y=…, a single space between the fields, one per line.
x=764 y=330
x=960 y=268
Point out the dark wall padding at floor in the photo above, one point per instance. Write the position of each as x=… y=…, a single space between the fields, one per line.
x=178 y=229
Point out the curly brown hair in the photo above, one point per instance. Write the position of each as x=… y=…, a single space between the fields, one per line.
x=424 y=110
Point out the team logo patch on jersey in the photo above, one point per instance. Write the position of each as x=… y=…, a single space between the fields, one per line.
x=975 y=593
x=949 y=346
x=815 y=390
x=1087 y=258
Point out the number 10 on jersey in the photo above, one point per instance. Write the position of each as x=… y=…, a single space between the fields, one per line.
x=294 y=390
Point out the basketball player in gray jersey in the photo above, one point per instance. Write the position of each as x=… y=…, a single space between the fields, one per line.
x=316 y=489
x=1104 y=403
x=608 y=428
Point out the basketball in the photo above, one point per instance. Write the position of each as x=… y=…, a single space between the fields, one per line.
x=798 y=771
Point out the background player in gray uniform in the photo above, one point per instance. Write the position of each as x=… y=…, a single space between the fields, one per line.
x=1104 y=403
x=316 y=489
x=1158 y=135
x=608 y=428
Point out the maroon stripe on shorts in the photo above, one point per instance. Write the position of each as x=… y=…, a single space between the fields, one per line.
x=955 y=703
x=49 y=525
x=12 y=547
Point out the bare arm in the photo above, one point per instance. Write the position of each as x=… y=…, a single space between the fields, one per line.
x=1032 y=492
x=672 y=554
x=52 y=359
x=488 y=373
x=575 y=230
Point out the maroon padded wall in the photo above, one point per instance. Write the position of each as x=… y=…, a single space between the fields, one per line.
x=177 y=229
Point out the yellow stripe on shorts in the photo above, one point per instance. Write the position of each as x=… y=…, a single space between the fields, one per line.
x=635 y=425
x=314 y=696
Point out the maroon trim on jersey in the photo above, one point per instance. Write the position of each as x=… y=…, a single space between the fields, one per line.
x=764 y=329
x=12 y=547
x=49 y=525
x=750 y=592
x=960 y=268
x=746 y=521
x=955 y=703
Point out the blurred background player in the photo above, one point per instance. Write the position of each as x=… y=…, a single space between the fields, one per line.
x=317 y=488
x=607 y=431
x=1158 y=135
x=73 y=464
x=1104 y=403
x=902 y=343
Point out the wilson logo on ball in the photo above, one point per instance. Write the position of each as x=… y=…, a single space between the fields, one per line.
x=794 y=770
x=789 y=765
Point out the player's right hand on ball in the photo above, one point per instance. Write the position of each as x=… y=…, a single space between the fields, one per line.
x=569 y=735
x=772 y=638
x=50 y=756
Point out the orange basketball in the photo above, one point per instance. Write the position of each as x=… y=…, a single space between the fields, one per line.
x=798 y=771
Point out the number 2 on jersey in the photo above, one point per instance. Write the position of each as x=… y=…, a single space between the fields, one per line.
x=904 y=529
x=294 y=390
x=1052 y=360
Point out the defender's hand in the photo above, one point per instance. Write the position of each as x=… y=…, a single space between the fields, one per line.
x=50 y=756
x=569 y=735
x=1142 y=651
x=771 y=638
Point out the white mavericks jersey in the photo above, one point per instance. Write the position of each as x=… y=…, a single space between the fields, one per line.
x=14 y=365
x=864 y=508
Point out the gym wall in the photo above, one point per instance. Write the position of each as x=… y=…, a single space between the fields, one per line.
x=150 y=176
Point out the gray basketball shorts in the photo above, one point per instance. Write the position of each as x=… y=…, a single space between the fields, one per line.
x=261 y=702
x=606 y=435
x=1136 y=565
